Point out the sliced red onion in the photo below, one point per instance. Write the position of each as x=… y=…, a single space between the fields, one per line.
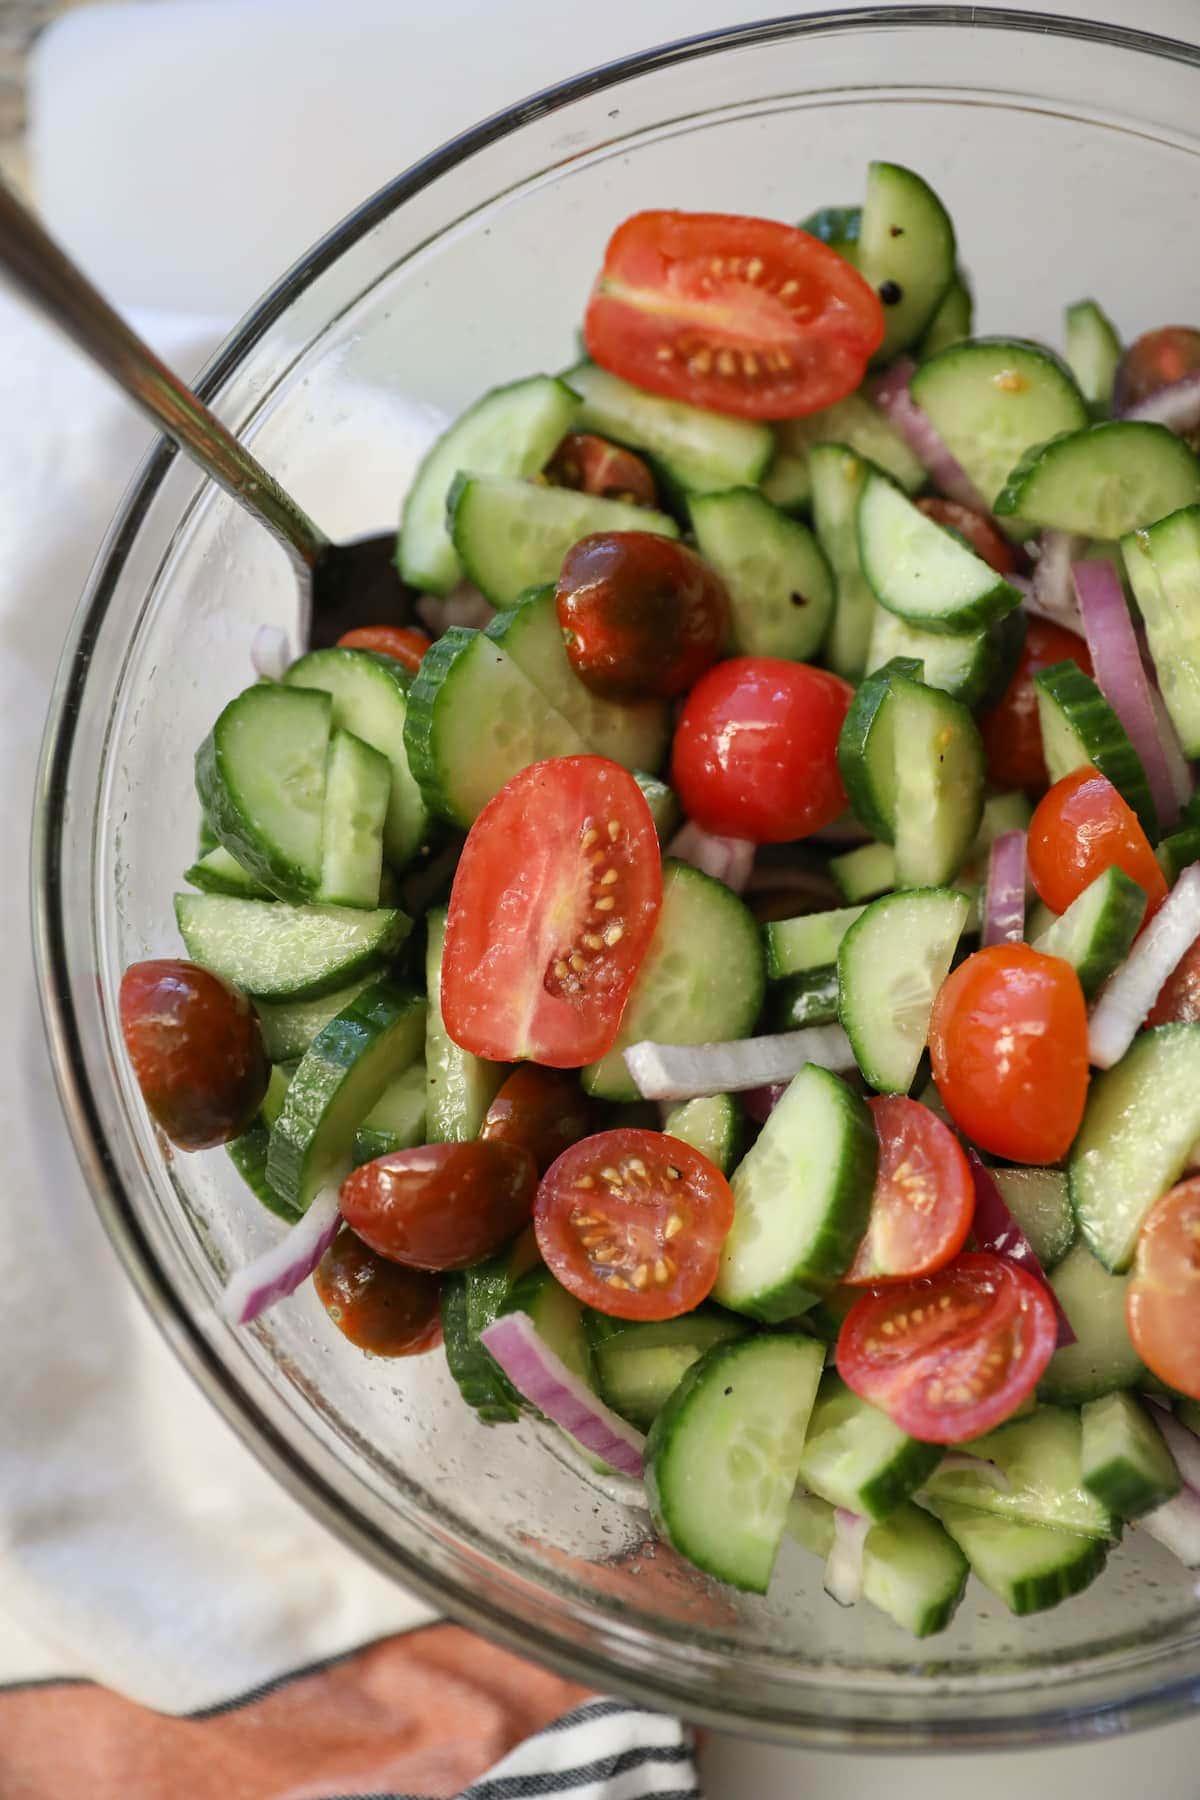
x=1121 y=678
x=844 y=1568
x=726 y=859
x=760 y=1102
x=995 y=1229
x=270 y=653
x=689 y=1071
x=1183 y=1444
x=1176 y=406
x=623 y=1490
x=463 y=605
x=545 y=1381
x=1052 y=595
x=891 y=396
x=279 y=1271
x=1121 y=1006
x=961 y=1462
x=1176 y=1524
x=1004 y=896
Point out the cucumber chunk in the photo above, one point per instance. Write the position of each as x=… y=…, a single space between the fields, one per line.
x=921 y=571
x=697 y=452
x=358 y=781
x=662 y=801
x=891 y=963
x=1080 y=727
x=1040 y=1458
x=807 y=999
x=794 y=946
x=912 y=1569
x=714 y=1125
x=216 y=872
x=1163 y=564
x=906 y=250
x=639 y=1366
x=277 y=952
x=1125 y=1463
x=1103 y=1360
x=866 y=750
x=1040 y=1201
x=1177 y=852
x=471 y=1301
x=952 y=321
x=260 y=775
x=1097 y=930
x=397 y=1120
x=289 y=1026
x=1029 y=1567
x=460 y=1086
x=966 y=665
x=779 y=583
x=1093 y=352
x=865 y=873
x=802 y=1198
x=856 y=1458
x=838 y=479
x=854 y=421
x=1103 y=481
x=722 y=1455
x=248 y=1154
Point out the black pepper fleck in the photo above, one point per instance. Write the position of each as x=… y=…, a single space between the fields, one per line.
x=891 y=293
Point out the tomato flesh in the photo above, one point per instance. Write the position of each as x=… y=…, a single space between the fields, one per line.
x=441 y=1206
x=980 y=533
x=1008 y=1042
x=380 y=1306
x=923 y=1199
x=950 y=1356
x=632 y=1222
x=1079 y=829
x=740 y=315
x=542 y=1111
x=1162 y=1303
x=755 y=751
x=1154 y=361
x=592 y=465
x=642 y=616
x=197 y=1051
x=1012 y=730
x=405 y=644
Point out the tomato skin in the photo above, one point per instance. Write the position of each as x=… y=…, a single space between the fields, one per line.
x=441 y=1206
x=1079 y=829
x=1008 y=1042
x=563 y=863
x=381 y=1306
x=541 y=1111
x=642 y=616
x=197 y=1051
x=755 y=751
x=744 y=316
x=1162 y=1302
x=626 y=1236
x=980 y=533
x=1011 y=729
x=952 y=1355
x=1178 y=1000
x=405 y=644
x=592 y=465
x=1154 y=361
x=923 y=1200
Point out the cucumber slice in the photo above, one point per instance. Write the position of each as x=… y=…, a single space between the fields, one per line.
x=952 y=320
x=1097 y=930
x=1103 y=1360
x=701 y=981
x=779 y=583
x=964 y=665
x=854 y=421
x=1040 y=1460
x=1093 y=352
x=1142 y=1118
x=921 y=571
x=802 y=1199
x=475 y=721
x=1103 y=480
x=698 y=452
x=260 y=775
x=1029 y=1567
x=795 y=946
x=1163 y=564
x=891 y=963
x=512 y=430
x=1080 y=727
x=206 y=837
x=787 y=483
x=855 y=1457
x=866 y=751
x=277 y=952
x=638 y=1367
x=808 y=999
x=865 y=873
x=216 y=872
x=340 y=1077
x=1001 y=813
x=722 y=1455
x=460 y=1087
x=838 y=478
x=1125 y=1463
x=1040 y=1201
x=635 y=736
x=1178 y=852
x=369 y=695
x=471 y=1301
x=664 y=806
x=906 y=251
x=248 y=1154
x=912 y=1569
x=397 y=1120
x=714 y=1125
x=290 y=1026
x=358 y=781
x=939 y=783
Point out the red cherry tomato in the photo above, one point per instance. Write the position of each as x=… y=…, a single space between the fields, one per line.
x=197 y=1050
x=379 y=1305
x=1178 y=1000
x=642 y=616
x=740 y=315
x=980 y=533
x=1008 y=1041
x=951 y=1355
x=1162 y=1302
x=1155 y=360
x=1011 y=730
x=539 y=1110
x=403 y=643
x=632 y=1222
x=555 y=900
x=1079 y=829
x=594 y=466
x=755 y=752
x=924 y=1197
x=442 y=1206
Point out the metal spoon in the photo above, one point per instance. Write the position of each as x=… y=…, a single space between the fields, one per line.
x=341 y=585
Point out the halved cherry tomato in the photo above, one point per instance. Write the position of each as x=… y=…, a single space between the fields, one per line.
x=923 y=1200
x=403 y=643
x=642 y=616
x=197 y=1050
x=555 y=900
x=1155 y=360
x=632 y=1223
x=594 y=466
x=540 y=1110
x=1178 y=1000
x=1008 y=1042
x=951 y=1355
x=441 y=1206
x=1079 y=829
x=741 y=315
x=1011 y=730
x=980 y=533
x=1162 y=1303
x=379 y=1305
x=755 y=753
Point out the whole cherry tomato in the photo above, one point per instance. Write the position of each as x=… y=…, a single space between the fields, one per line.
x=197 y=1050
x=1154 y=361
x=1079 y=829
x=1012 y=730
x=594 y=466
x=1162 y=1302
x=441 y=1206
x=1178 y=1000
x=539 y=1110
x=642 y=616
x=379 y=1305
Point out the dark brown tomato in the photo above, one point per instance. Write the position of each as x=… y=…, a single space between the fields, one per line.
x=643 y=617
x=197 y=1050
x=979 y=532
x=1154 y=361
x=380 y=1306
x=441 y=1206
x=594 y=466
x=539 y=1110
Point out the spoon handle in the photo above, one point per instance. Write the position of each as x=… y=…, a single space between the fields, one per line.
x=44 y=275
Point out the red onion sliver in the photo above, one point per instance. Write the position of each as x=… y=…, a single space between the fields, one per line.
x=270 y=652
x=995 y=1229
x=1053 y=593
x=892 y=397
x=726 y=859
x=545 y=1381
x=1176 y=1525
x=1131 y=990
x=1183 y=1444
x=1004 y=896
x=689 y=1071
x=1121 y=678
x=1176 y=406
x=279 y=1271
x=844 y=1568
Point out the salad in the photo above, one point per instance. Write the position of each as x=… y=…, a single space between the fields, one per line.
x=732 y=979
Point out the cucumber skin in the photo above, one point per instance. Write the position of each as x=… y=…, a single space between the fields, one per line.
x=471 y=1300
x=286 y=882
x=436 y=664
x=1129 y=1491
x=853 y=742
x=363 y=963
x=1008 y=500
x=1078 y=698
x=248 y=1154
x=1044 y=1589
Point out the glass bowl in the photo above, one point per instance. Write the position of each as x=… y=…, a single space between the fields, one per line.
x=1069 y=155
